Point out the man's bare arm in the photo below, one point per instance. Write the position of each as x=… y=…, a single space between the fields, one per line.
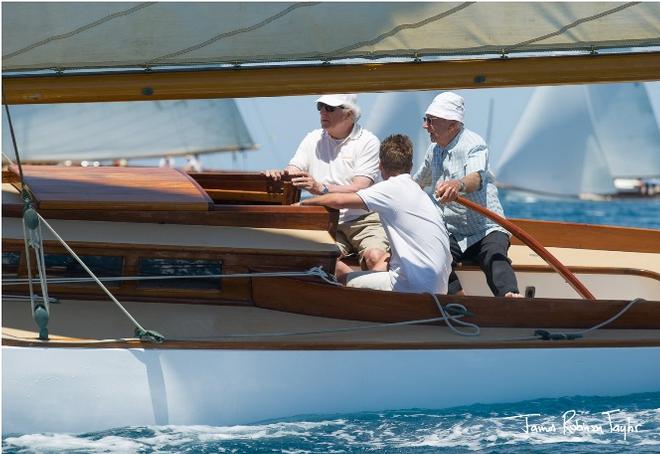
x=357 y=183
x=336 y=200
x=305 y=181
x=448 y=191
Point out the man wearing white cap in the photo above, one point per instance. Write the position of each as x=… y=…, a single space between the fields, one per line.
x=457 y=163
x=342 y=157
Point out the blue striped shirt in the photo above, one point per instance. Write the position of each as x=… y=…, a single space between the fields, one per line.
x=466 y=154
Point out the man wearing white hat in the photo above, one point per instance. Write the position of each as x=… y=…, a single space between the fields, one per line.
x=342 y=157
x=457 y=163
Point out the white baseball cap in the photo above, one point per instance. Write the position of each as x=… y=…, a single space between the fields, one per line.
x=447 y=105
x=347 y=100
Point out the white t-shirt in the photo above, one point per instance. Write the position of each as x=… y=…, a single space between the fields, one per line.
x=331 y=161
x=421 y=260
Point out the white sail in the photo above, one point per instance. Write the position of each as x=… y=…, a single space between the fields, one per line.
x=623 y=118
x=96 y=131
x=401 y=113
x=69 y=35
x=571 y=140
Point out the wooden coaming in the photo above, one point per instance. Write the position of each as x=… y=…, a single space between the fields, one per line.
x=368 y=305
x=587 y=236
x=247 y=187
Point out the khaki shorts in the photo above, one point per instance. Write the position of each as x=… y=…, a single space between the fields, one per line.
x=362 y=233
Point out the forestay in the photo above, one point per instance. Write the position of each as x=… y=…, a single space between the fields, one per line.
x=103 y=35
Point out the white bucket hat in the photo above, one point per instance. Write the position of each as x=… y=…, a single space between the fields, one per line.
x=347 y=100
x=447 y=105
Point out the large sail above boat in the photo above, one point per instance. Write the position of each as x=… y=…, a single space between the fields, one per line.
x=95 y=131
x=576 y=140
x=78 y=35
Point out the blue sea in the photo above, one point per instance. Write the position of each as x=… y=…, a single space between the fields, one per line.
x=625 y=424
x=629 y=424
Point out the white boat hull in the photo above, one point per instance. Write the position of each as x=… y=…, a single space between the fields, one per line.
x=88 y=389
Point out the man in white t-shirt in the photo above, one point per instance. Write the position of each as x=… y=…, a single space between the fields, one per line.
x=342 y=157
x=420 y=256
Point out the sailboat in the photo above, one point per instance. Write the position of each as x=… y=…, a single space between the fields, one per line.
x=91 y=132
x=218 y=307
x=609 y=143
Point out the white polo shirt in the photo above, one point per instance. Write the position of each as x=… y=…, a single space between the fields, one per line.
x=421 y=260
x=331 y=161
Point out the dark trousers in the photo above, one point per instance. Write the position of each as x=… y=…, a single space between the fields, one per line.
x=491 y=254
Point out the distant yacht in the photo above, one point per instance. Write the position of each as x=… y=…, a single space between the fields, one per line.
x=120 y=131
x=587 y=141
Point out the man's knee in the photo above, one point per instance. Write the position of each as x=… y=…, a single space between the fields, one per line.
x=375 y=258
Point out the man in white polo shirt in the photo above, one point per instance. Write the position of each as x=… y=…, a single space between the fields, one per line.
x=420 y=257
x=342 y=157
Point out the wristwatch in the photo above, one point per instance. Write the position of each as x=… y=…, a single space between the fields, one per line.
x=325 y=189
x=461 y=188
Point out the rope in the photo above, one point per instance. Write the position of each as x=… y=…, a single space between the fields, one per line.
x=140 y=331
x=448 y=319
x=33 y=238
x=51 y=300
x=459 y=312
x=546 y=335
x=13 y=141
x=315 y=271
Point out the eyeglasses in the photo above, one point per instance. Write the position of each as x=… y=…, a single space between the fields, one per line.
x=320 y=105
x=427 y=119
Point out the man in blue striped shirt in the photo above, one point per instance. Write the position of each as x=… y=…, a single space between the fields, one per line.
x=457 y=163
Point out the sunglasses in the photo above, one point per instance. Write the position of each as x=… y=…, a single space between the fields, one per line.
x=327 y=108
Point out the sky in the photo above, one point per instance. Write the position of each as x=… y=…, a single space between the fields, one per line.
x=279 y=124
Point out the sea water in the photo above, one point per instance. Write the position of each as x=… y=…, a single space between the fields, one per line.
x=629 y=424
x=578 y=424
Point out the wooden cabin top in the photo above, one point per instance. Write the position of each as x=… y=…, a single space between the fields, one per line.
x=146 y=188
x=130 y=188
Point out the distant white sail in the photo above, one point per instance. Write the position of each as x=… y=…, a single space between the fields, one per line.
x=574 y=140
x=401 y=113
x=626 y=126
x=96 y=131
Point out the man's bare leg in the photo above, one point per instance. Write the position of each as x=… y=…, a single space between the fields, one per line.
x=341 y=270
x=376 y=259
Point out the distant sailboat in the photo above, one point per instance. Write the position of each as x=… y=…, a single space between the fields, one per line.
x=583 y=141
x=126 y=130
